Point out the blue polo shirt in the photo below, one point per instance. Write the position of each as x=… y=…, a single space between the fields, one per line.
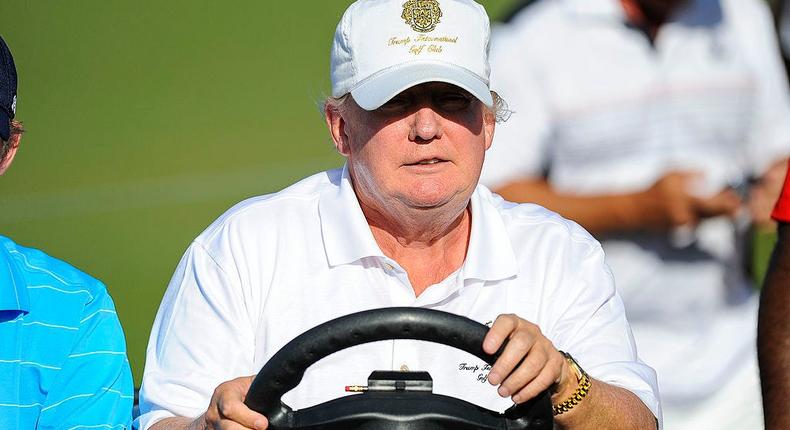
x=63 y=361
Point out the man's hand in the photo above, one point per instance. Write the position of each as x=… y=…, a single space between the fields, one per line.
x=671 y=202
x=529 y=364
x=227 y=410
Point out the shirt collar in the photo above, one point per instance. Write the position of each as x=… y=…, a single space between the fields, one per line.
x=347 y=236
x=13 y=287
x=490 y=256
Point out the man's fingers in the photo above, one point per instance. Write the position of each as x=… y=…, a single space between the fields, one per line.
x=726 y=202
x=228 y=411
x=503 y=326
x=540 y=383
x=529 y=363
x=235 y=413
x=520 y=341
x=529 y=368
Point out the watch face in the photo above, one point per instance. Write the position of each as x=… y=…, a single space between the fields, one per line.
x=574 y=365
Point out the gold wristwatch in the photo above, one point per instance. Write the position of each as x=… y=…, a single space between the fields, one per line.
x=581 y=390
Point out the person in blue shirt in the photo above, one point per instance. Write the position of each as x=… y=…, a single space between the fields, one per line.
x=63 y=362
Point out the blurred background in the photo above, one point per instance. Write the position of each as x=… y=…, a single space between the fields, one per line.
x=146 y=120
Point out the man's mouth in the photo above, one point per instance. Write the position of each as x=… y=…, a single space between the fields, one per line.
x=427 y=162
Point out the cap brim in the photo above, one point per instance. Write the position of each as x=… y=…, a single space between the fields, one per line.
x=5 y=126
x=373 y=92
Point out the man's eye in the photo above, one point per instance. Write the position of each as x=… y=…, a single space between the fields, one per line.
x=395 y=104
x=454 y=102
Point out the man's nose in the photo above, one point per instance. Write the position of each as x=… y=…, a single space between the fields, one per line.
x=427 y=126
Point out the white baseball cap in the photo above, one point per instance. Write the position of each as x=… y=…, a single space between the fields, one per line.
x=382 y=47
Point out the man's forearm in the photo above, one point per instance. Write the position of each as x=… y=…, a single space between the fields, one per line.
x=597 y=214
x=773 y=336
x=607 y=407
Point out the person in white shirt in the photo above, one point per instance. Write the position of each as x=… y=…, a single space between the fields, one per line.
x=648 y=122
x=403 y=223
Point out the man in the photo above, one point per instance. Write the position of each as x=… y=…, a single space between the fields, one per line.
x=773 y=336
x=62 y=352
x=647 y=122
x=402 y=224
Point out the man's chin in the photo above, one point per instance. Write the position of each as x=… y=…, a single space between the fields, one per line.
x=436 y=202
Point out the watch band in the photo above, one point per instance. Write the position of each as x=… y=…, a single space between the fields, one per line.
x=581 y=390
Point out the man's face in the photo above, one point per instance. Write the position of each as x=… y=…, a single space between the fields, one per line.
x=422 y=149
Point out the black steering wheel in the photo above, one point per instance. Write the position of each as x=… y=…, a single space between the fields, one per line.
x=398 y=408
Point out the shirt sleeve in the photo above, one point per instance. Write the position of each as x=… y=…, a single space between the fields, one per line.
x=201 y=319
x=770 y=137
x=94 y=387
x=592 y=324
x=519 y=147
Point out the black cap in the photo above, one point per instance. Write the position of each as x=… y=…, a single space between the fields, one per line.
x=7 y=90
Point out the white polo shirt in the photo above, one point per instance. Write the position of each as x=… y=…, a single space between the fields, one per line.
x=275 y=266
x=603 y=111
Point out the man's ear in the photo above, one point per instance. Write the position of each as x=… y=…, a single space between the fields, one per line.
x=13 y=145
x=337 y=128
x=489 y=126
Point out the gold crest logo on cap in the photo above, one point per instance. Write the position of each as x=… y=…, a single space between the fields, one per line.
x=422 y=15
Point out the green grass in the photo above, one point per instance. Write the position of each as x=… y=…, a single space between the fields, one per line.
x=147 y=119
x=762 y=246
